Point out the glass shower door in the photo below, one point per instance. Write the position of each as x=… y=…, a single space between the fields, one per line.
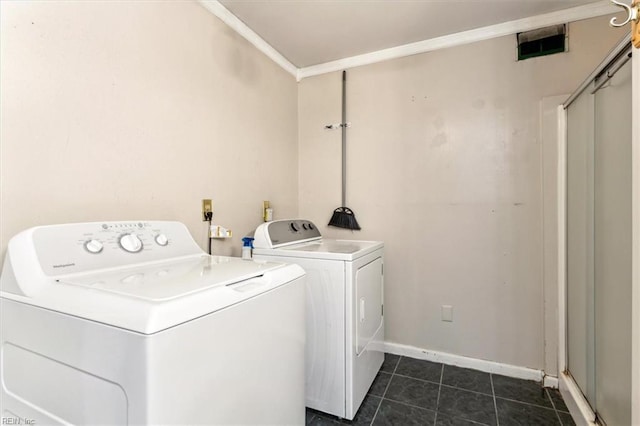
x=612 y=254
x=599 y=242
x=580 y=245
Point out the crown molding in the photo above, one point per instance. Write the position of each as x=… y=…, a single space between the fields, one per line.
x=526 y=24
x=241 y=28
x=592 y=10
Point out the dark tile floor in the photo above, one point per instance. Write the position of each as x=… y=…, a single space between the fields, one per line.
x=409 y=391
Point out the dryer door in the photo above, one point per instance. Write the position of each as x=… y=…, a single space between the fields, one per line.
x=368 y=303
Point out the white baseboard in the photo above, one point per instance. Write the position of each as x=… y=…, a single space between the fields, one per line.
x=473 y=363
x=550 y=382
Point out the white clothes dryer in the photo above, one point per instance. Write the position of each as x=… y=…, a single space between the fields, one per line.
x=131 y=323
x=344 y=306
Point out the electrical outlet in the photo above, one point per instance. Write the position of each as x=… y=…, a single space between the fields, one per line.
x=447 y=313
x=207 y=210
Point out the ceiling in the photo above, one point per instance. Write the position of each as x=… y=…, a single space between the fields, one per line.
x=312 y=32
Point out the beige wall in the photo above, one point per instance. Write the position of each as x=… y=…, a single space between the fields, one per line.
x=445 y=164
x=128 y=110
x=141 y=109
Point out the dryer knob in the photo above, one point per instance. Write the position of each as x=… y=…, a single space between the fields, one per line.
x=93 y=246
x=130 y=243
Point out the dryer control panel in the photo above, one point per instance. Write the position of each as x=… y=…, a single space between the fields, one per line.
x=285 y=232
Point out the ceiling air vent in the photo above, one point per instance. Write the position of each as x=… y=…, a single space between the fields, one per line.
x=541 y=42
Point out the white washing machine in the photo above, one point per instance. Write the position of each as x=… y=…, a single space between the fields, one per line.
x=344 y=303
x=131 y=323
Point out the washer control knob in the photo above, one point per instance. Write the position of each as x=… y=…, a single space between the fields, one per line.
x=93 y=246
x=293 y=227
x=130 y=243
x=162 y=240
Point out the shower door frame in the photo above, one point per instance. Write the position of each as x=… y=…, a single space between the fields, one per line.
x=576 y=402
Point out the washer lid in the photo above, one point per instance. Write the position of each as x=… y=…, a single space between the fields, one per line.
x=173 y=279
x=150 y=298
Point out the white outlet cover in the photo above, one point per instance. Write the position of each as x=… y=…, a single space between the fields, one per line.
x=447 y=313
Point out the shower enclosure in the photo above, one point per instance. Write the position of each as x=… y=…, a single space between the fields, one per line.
x=598 y=239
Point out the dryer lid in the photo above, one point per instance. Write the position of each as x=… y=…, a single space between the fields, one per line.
x=334 y=246
x=345 y=250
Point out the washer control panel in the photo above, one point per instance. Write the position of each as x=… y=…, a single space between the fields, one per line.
x=81 y=247
x=129 y=237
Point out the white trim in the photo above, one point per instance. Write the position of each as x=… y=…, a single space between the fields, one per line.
x=606 y=62
x=241 y=28
x=550 y=382
x=562 y=236
x=549 y=122
x=576 y=403
x=635 y=238
x=591 y=10
x=463 y=361
x=599 y=8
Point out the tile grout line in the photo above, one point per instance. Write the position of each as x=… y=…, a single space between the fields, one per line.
x=376 y=413
x=423 y=380
x=409 y=405
x=553 y=404
x=546 y=391
x=525 y=403
x=384 y=392
x=453 y=387
x=396 y=367
x=435 y=418
x=467 y=390
x=495 y=405
x=428 y=409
